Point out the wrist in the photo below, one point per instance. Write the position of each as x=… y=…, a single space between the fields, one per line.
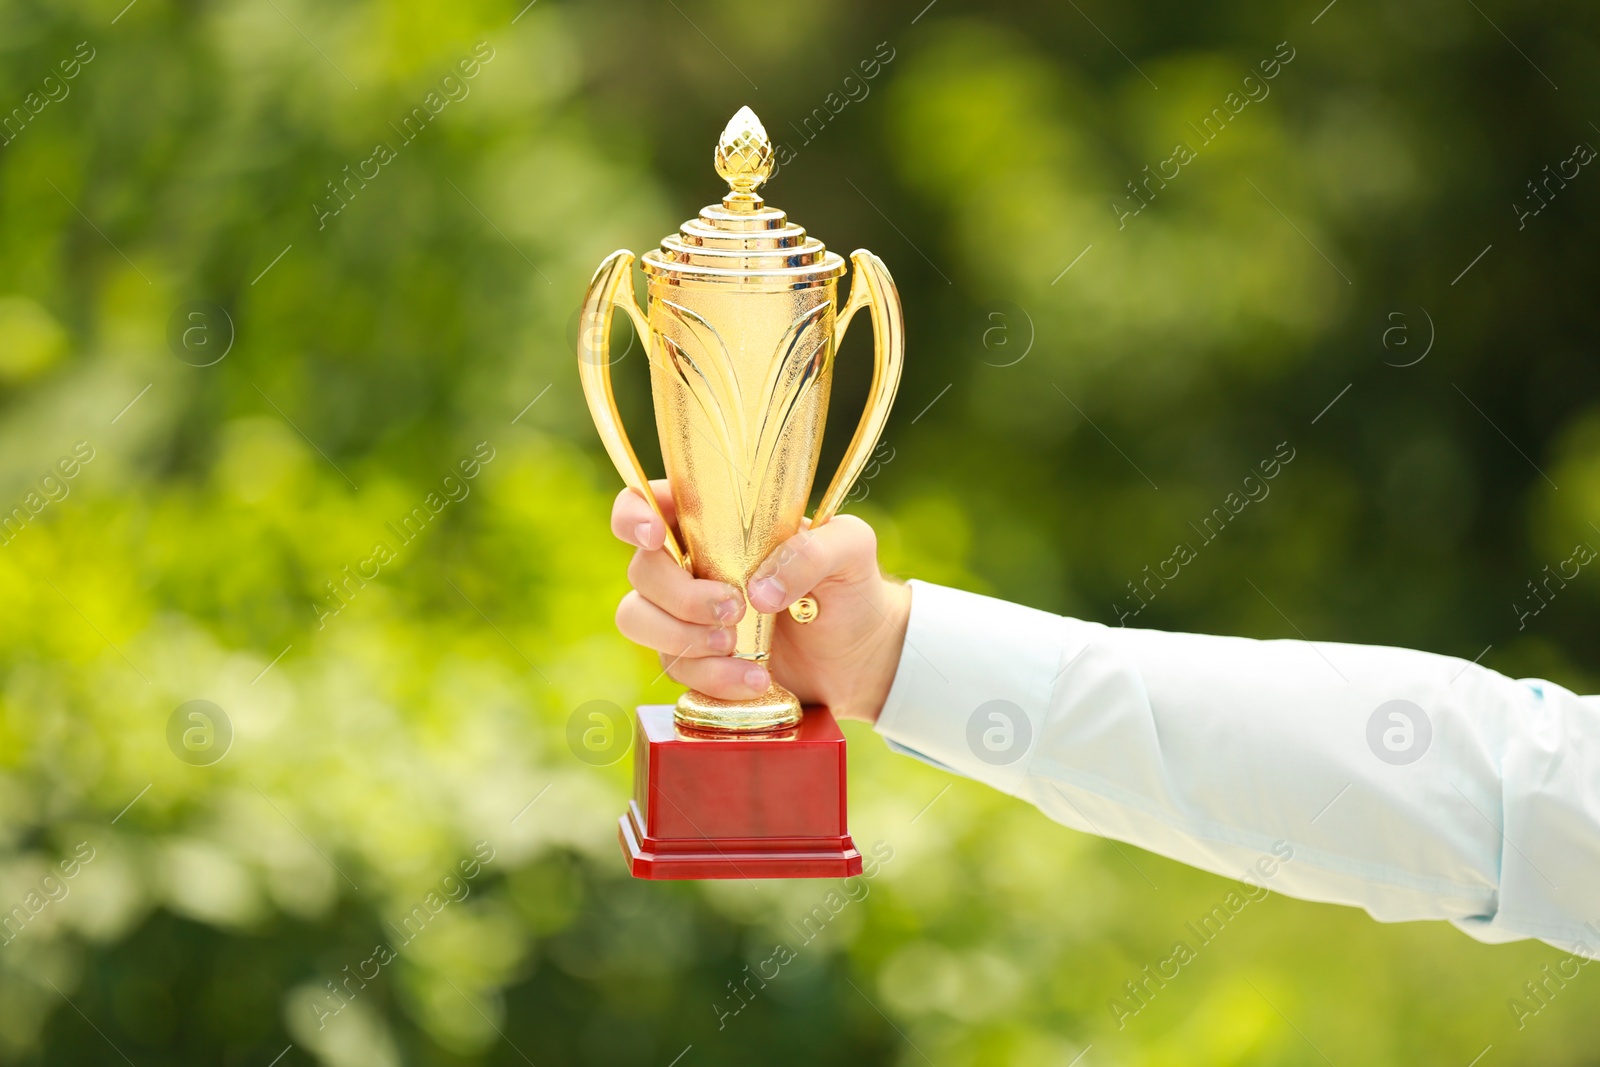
x=880 y=659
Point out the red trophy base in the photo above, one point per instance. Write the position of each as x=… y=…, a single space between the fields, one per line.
x=738 y=805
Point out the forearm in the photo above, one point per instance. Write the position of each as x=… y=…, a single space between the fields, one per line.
x=1218 y=751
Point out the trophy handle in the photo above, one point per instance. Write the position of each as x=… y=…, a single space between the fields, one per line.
x=874 y=289
x=611 y=288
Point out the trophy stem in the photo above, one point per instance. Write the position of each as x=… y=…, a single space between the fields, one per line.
x=776 y=709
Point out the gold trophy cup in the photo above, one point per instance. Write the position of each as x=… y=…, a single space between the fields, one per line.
x=740 y=329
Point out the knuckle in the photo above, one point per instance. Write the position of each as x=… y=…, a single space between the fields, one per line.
x=625 y=609
x=689 y=604
x=636 y=569
x=855 y=528
x=856 y=538
x=683 y=640
x=720 y=640
x=710 y=677
x=683 y=598
x=849 y=522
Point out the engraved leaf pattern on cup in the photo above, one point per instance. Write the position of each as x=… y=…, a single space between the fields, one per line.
x=711 y=383
x=797 y=364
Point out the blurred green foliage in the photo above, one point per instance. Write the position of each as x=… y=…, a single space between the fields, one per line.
x=371 y=351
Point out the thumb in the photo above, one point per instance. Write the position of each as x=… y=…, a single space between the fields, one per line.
x=844 y=547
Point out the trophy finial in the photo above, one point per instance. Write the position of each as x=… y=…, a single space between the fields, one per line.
x=743 y=158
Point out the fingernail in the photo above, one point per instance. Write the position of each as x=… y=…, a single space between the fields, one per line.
x=641 y=534
x=728 y=608
x=769 y=591
x=756 y=678
x=720 y=640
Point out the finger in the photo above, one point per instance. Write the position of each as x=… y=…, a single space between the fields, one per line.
x=723 y=677
x=635 y=523
x=645 y=624
x=844 y=547
x=680 y=594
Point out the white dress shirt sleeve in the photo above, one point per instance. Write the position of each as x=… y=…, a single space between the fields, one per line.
x=1290 y=764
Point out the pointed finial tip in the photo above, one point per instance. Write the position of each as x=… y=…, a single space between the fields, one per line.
x=744 y=153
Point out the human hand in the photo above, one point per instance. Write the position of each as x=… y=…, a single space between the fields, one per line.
x=845 y=658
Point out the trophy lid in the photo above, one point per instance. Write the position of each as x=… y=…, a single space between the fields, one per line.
x=741 y=242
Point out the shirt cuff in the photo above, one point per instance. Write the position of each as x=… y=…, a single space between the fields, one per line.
x=974 y=683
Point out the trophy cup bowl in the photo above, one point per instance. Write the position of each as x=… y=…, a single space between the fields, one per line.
x=741 y=328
